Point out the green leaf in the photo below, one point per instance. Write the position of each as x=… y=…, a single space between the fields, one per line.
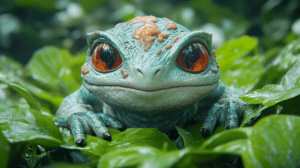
x=26 y=126
x=192 y=137
x=203 y=158
x=45 y=6
x=188 y=139
x=252 y=111
x=274 y=142
x=52 y=67
x=140 y=146
x=233 y=50
x=278 y=64
x=11 y=69
x=244 y=73
x=269 y=95
x=149 y=137
x=226 y=136
x=46 y=98
x=27 y=96
x=5 y=151
x=236 y=147
x=140 y=156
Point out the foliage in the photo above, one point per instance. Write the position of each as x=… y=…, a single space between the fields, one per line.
x=26 y=128
x=266 y=67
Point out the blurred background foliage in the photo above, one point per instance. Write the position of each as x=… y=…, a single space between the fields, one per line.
x=28 y=25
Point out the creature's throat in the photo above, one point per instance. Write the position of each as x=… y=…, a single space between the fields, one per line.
x=164 y=122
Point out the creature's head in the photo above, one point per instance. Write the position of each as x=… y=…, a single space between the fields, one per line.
x=150 y=65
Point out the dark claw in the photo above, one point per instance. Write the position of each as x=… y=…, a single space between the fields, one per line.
x=120 y=127
x=205 y=131
x=107 y=136
x=80 y=140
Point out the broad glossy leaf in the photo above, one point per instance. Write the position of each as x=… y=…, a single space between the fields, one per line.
x=47 y=99
x=9 y=99
x=52 y=67
x=5 y=151
x=141 y=156
x=27 y=96
x=192 y=136
x=27 y=126
x=274 y=142
x=13 y=73
x=204 y=158
x=236 y=147
x=252 y=111
x=188 y=139
x=226 y=136
x=12 y=70
x=149 y=137
x=269 y=95
x=233 y=50
x=244 y=73
x=76 y=63
x=277 y=66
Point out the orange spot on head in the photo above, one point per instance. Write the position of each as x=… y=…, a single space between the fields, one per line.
x=159 y=52
x=169 y=46
x=124 y=73
x=142 y=19
x=171 y=25
x=176 y=39
x=144 y=34
x=160 y=39
x=162 y=36
x=84 y=69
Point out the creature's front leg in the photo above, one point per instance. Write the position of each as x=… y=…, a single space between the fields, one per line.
x=77 y=115
x=226 y=109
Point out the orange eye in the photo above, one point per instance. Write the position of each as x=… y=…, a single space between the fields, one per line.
x=105 y=57
x=193 y=58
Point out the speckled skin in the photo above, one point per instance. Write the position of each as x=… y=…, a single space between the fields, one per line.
x=149 y=89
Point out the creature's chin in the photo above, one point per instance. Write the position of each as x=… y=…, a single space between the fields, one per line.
x=150 y=102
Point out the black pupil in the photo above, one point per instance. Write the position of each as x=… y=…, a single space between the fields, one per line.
x=191 y=54
x=107 y=54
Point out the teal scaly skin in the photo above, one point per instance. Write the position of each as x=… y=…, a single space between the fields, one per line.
x=151 y=73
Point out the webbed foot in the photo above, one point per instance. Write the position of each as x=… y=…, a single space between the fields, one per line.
x=227 y=112
x=89 y=122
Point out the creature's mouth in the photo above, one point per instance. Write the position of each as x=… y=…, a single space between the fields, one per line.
x=150 y=90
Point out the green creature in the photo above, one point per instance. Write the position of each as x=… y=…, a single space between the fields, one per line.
x=153 y=73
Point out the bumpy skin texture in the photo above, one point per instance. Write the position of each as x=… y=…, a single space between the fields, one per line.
x=149 y=89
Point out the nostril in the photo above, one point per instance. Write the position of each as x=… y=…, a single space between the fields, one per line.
x=156 y=72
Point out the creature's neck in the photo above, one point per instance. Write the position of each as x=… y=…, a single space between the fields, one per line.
x=164 y=122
